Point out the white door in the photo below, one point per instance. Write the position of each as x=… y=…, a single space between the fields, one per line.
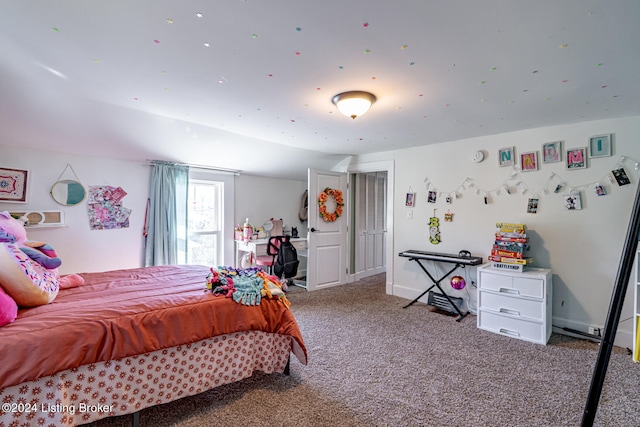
x=327 y=241
x=370 y=225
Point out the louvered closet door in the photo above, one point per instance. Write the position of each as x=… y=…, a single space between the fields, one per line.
x=370 y=223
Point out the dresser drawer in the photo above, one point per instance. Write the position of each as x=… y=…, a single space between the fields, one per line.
x=518 y=286
x=516 y=328
x=512 y=306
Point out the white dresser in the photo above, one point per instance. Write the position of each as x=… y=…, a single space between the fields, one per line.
x=516 y=305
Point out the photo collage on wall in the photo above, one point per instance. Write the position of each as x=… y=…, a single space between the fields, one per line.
x=576 y=158
x=105 y=208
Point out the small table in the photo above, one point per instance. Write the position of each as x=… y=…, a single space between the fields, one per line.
x=461 y=260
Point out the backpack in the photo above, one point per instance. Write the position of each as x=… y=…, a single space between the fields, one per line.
x=287 y=260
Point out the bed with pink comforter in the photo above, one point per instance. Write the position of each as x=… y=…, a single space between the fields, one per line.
x=130 y=339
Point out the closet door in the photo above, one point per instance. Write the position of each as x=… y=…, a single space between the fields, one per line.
x=370 y=213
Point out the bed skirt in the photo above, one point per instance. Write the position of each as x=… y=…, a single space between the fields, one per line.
x=118 y=387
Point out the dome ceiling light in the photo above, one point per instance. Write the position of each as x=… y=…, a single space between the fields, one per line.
x=353 y=103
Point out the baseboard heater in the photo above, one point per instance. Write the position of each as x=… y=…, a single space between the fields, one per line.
x=441 y=302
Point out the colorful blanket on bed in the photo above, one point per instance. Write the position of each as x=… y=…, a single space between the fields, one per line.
x=246 y=286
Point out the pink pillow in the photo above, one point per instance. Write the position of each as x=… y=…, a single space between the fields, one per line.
x=8 y=308
x=70 y=281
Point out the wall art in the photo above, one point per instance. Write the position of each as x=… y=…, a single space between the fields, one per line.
x=621 y=176
x=600 y=146
x=572 y=201
x=529 y=161
x=507 y=156
x=13 y=185
x=577 y=158
x=410 y=201
x=552 y=152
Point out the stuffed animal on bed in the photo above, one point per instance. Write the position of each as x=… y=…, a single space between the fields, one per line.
x=8 y=308
x=28 y=270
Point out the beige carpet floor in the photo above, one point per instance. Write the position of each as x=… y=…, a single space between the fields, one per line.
x=373 y=363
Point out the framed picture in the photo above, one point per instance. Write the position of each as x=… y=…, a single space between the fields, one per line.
x=577 y=158
x=621 y=176
x=507 y=156
x=529 y=161
x=600 y=190
x=600 y=146
x=13 y=185
x=552 y=152
x=410 y=201
x=572 y=201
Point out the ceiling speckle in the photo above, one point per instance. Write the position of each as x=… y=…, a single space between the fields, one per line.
x=441 y=70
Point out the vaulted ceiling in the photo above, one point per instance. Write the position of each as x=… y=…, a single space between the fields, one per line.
x=247 y=84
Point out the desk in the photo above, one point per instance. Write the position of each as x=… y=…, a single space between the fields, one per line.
x=459 y=260
x=258 y=247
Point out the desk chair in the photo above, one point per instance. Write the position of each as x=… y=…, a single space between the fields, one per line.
x=269 y=260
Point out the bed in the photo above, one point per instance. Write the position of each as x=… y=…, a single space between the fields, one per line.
x=130 y=339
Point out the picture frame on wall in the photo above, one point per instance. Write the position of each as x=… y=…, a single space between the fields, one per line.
x=552 y=152
x=410 y=201
x=13 y=185
x=577 y=158
x=600 y=146
x=507 y=156
x=572 y=201
x=529 y=161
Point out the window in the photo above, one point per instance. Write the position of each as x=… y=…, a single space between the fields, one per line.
x=205 y=223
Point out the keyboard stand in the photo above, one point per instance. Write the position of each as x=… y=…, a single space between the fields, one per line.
x=459 y=262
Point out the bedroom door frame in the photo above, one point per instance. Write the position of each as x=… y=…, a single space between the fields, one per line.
x=389 y=167
x=367 y=234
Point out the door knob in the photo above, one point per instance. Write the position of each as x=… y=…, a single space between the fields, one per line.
x=313 y=229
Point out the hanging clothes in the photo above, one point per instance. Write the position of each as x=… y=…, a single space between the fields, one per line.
x=303 y=214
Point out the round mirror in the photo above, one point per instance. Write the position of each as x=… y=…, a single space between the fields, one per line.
x=68 y=192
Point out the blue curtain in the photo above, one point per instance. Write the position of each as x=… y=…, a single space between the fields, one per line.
x=166 y=242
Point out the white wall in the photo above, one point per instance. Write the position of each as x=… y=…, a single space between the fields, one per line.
x=85 y=250
x=583 y=248
x=82 y=249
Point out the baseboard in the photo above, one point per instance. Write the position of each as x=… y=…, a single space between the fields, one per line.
x=624 y=338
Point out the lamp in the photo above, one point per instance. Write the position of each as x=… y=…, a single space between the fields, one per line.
x=354 y=103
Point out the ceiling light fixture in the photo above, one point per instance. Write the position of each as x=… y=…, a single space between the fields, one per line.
x=353 y=103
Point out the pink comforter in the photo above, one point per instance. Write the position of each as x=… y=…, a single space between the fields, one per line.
x=122 y=313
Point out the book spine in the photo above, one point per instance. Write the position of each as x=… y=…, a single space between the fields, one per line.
x=506 y=260
x=510 y=227
x=512 y=239
x=507 y=254
x=510 y=246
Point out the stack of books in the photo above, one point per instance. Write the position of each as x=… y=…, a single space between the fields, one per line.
x=509 y=249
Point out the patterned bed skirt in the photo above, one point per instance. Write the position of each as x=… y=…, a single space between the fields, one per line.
x=118 y=387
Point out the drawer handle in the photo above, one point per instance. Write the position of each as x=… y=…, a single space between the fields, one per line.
x=509 y=332
x=509 y=311
x=510 y=291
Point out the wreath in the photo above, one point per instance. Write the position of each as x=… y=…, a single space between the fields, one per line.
x=336 y=195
